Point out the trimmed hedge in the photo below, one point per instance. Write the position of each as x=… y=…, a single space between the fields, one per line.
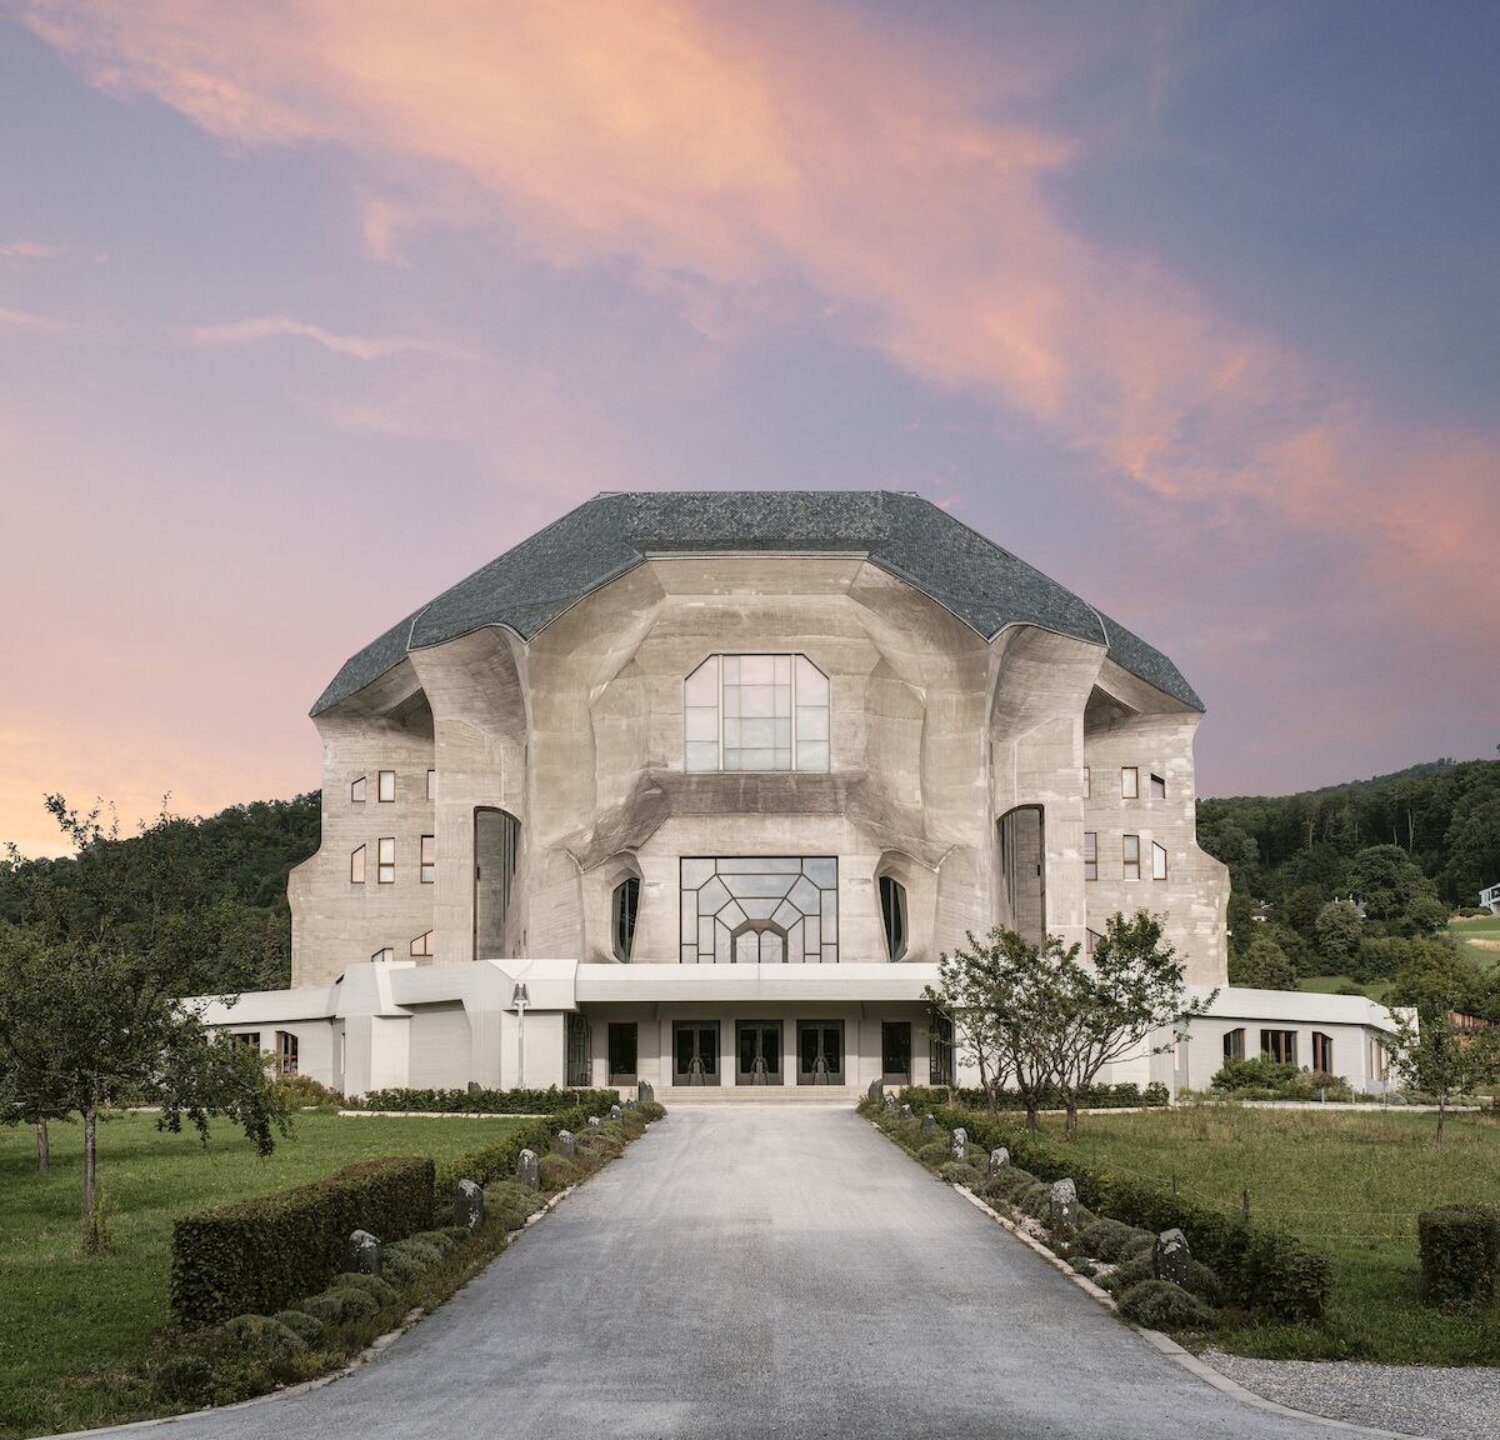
x=498 y=1161
x=1094 y=1097
x=1460 y=1247
x=1261 y=1267
x=257 y=1256
x=492 y=1102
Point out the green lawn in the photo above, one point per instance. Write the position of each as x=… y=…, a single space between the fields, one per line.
x=70 y=1327
x=1332 y=984
x=1486 y=930
x=1350 y=1184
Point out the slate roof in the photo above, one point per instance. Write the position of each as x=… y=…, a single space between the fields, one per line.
x=531 y=585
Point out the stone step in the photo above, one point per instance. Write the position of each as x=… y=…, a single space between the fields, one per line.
x=758 y=1094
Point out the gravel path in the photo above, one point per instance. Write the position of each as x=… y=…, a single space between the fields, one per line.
x=1447 y=1403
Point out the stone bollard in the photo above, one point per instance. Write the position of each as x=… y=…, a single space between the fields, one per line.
x=906 y=1112
x=567 y=1145
x=645 y=1092
x=468 y=1205
x=999 y=1159
x=615 y=1113
x=1062 y=1207
x=362 y=1253
x=875 y=1088
x=1170 y=1257
x=631 y=1105
x=959 y=1143
x=595 y=1122
x=529 y=1170
x=888 y=1104
x=929 y=1125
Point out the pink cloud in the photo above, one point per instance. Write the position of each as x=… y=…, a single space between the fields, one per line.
x=279 y=327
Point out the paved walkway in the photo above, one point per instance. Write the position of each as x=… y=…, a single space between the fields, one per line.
x=766 y=1271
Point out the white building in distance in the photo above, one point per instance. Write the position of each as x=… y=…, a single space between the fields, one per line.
x=694 y=789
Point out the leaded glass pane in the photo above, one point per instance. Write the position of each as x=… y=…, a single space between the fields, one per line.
x=769 y=897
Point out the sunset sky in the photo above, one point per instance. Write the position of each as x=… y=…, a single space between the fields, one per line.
x=310 y=307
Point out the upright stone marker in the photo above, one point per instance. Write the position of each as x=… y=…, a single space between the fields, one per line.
x=888 y=1104
x=959 y=1144
x=567 y=1144
x=595 y=1122
x=929 y=1125
x=529 y=1170
x=1170 y=1257
x=468 y=1205
x=874 y=1090
x=1062 y=1207
x=906 y=1112
x=362 y=1253
x=631 y=1105
x=999 y=1159
x=615 y=1113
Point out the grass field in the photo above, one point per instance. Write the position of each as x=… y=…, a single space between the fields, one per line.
x=68 y=1324
x=1350 y=1184
x=1479 y=939
x=1332 y=984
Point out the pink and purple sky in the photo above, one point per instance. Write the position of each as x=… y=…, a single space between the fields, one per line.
x=310 y=307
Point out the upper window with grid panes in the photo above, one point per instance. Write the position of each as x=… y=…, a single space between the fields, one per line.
x=756 y=712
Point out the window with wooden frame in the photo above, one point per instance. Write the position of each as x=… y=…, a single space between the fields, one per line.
x=1234 y=1044
x=421 y=947
x=383 y=954
x=427 y=860
x=385 y=860
x=357 y=865
x=286 y=1052
x=1090 y=854
x=249 y=1039
x=1130 y=782
x=1322 y=1053
x=1130 y=854
x=1280 y=1045
x=357 y=791
x=1158 y=788
x=1091 y=941
x=1158 y=861
x=387 y=788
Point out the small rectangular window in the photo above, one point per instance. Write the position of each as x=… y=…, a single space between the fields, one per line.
x=357 y=791
x=1322 y=1053
x=1280 y=1045
x=422 y=945
x=386 y=860
x=1380 y=1060
x=250 y=1039
x=1091 y=939
x=1130 y=782
x=1090 y=854
x=286 y=1052
x=387 y=786
x=1088 y=782
x=1130 y=849
x=1234 y=1044
x=432 y=784
x=622 y=1054
x=429 y=859
x=1158 y=861
x=1158 y=788
x=357 y=866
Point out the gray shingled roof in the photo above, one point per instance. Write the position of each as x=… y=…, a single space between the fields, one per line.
x=530 y=586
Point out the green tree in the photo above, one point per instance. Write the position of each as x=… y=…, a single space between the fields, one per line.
x=92 y=976
x=1303 y=906
x=1264 y=965
x=1437 y=1055
x=1473 y=843
x=1338 y=930
x=1387 y=879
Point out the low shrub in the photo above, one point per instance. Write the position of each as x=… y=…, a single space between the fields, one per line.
x=1460 y=1247
x=651 y=1111
x=1091 y=1097
x=380 y=1290
x=498 y=1161
x=301 y=1091
x=1129 y=1273
x=339 y=1306
x=1203 y=1283
x=401 y=1267
x=419 y=1252
x=263 y=1335
x=493 y=1102
x=1256 y=1072
x=1106 y=1239
x=183 y=1380
x=557 y=1172
x=960 y=1172
x=442 y=1240
x=307 y=1328
x=1161 y=1305
x=257 y=1256
x=935 y=1152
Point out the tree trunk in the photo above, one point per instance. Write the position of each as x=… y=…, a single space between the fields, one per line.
x=93 y=1238
x=1442 y=1103
x=1071 y=1130
x=1032 y=1123
x=43 y=1145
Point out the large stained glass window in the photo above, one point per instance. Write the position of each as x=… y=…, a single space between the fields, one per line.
x=756 y=712
x=760 y=910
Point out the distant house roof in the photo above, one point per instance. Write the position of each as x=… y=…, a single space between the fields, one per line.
x=532 y=584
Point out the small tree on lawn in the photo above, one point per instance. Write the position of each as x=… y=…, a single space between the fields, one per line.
x=1108 y=1007
x=964 y=999
x=91 y=1007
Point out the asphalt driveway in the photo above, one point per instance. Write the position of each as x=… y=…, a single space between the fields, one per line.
x=758 y=1271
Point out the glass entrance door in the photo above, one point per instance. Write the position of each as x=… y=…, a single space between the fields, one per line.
x=820 y=1052
x=757 y=1052
x=895 y=1052
x=695 y=1052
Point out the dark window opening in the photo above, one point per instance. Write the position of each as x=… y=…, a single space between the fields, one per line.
x=1280 y=1045
x=578 y=1060
x=1322 y=1053
x=895 y=1052
x=625 y=907
x=286 y=1052
x=622 y=1054
x=1234 y=1044
x=820 y=1052
x=893 y=915
x=940 y=1057
x=695 y=1052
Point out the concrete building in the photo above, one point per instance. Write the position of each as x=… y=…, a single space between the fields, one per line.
x=695 y=788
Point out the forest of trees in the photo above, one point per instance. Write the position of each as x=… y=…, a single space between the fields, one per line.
x=1360 y=879
x=237 y=862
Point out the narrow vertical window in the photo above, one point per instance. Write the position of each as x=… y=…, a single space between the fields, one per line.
x=286 y=1052
x=1088 y=783
x=1234 y=1044
x=357 y=791
x=432 y=784
x=357 y=866
x=1158 y=788
x=893 y=916
x=1322 y=1053
x=1130 y=782
x=940 y=1053
x=387 y=786
x=428 y=863
x=1130 y=849
x=1158 y=861
x=422 y=945
x=1091 y=939
x=1090 y=854
x=1380 y=1060
x=385 y=861
x=625 y=906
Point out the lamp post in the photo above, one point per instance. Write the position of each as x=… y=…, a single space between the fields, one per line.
x=520 y=1000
